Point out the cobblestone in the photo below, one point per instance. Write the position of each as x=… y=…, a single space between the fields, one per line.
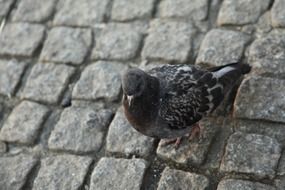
x=62 y=172
x=80 y=130
x=280 y=183
x=34 y=11
x=106 y=83
x=81 y=13
x=30 y=36
x=14 y=171
x=5 y=6
x=222 y=46
x=126 y=10
x=118 y=174
x=123 y=138
x=10 y=75
x=261 y=98
x=47 y=82
x=3 y=147
x=267 y=53
x=118 y=41
x=169 y=40
x=281 y=165
x=277 y=13
x=272 y=129
x=192 y=153
x=241 y=12
x=196 y=9
x=24 y=123
x=230 y=184
x=67 y=45
x=260 y=158
x=177 y=179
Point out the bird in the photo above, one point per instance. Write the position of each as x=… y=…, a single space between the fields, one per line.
x=167 y=102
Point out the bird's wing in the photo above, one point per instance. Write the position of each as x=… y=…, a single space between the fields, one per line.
x=189 y=95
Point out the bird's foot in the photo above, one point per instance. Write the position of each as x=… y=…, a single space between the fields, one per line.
x=176 y=141
x=197 y=130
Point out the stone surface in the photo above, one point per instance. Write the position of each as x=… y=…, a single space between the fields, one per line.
x=177 y=179
x=117 y=41
x=237 y=184
x=80 y=130
x=190 y=153
x=67 y=45
x=10 y=75
x=281 y=165
x=81 y=13
x=123 y=138
x=169 y=40
x=34 y=10
x=251 y=154
x=30 y=36
x=100 y=80
x=277 y=13
x=280 y=183
x=63 y=172
x=239 y=12
x=24 y=123
x=47 y=82
x=5 y=6
x=267 y=54
x=221 y=46
x=118 y=174
x=272 y=129
x=14 y=171
x=261 y=98
x=125 y=10
x=196 y=9
x=3 y=147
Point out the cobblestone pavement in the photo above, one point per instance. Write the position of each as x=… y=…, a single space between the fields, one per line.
x=61 y=121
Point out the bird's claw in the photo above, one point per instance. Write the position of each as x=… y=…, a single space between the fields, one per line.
x=176 y=141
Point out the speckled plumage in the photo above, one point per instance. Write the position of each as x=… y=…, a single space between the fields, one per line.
x=166 y=101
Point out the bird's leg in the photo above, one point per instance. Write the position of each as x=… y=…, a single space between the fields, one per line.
x=196 y=131
x=176 y=142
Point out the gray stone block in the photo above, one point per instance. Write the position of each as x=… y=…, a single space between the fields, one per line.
x=251 y=154
x=81 y=13
x=234 y=184
x=100 y=80
x=177 y=179
x=239 y=12
x=117 y=42
x=278 y=14
x=169 y=40
x=261 y=98
x=123 y=138
x=80 y=130
x=271 y=129
x=281 y=165
x=34 y=10
x=67 y=45
x=14 y=171
x=196 y=9
x=190 y=152
x=125 y=10
x=10 y=75
x=30 y=36
x=5 y=7
x=47 y=82
x=118 y=174
x=65 y=172
x=280 y=183
x=3 y=147
x=267 y=54
x=24 y=123
x=221 y=46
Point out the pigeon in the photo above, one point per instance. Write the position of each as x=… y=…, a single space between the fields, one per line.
x=167 y=102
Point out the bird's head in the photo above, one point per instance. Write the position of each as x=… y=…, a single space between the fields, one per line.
x=133 y=83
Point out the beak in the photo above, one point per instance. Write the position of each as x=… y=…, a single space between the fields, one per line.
x=130 y=99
